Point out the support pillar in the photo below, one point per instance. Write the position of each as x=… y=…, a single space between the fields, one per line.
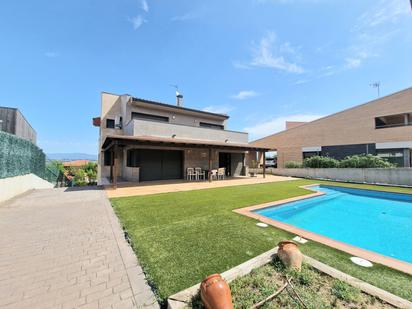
x=210 y=164
x=115 y=166
x=111 y=165
x=264 y=164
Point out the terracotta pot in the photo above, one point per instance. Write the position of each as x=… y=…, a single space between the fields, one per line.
x=290 y=254
x=215 y=293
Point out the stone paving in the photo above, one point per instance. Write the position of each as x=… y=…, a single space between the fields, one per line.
x=164 y=186
x=64 y=248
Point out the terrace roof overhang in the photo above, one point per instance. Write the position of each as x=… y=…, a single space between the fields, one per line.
x=122 y=140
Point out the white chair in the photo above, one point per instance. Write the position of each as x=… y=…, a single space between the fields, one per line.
x=190 y=174
x=221 y=173
x=213 y=174
x=199 y=173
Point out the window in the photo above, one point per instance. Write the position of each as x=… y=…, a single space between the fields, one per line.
x=391 y=121
x=149 y=117
x=394 y=156
x=211 y=125
x=110 y=123
x=308 y=154
x=107 y=158
x=133 y=158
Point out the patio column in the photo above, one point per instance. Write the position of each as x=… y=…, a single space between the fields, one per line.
x=111 y=165
x=264 y=164
x=115 y=166
x=210 y=165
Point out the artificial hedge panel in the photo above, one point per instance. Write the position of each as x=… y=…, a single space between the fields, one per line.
x=19 y=157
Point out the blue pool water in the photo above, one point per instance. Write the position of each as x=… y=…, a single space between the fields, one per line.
x=372 y=220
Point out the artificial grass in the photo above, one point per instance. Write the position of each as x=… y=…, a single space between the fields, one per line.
x=182 y=237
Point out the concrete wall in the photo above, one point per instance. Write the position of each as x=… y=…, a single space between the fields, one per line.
x=390 y=176
x=13 y=186
x=153 y=128
x=12 y=121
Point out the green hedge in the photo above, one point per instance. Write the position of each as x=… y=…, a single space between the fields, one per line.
x=320 y=162
x=293 y=164
x=19 y=157
x=355 y=161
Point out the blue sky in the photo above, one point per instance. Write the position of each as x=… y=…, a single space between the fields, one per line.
x=261 y=61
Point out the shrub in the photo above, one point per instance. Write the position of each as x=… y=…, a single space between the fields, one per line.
x=80 y=177
x=320 y=162
x=365 y=161
x=293 y=164
x=91 y=171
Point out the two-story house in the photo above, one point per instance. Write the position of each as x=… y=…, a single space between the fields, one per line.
x=142 y=140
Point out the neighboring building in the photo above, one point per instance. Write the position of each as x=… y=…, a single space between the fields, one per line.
x=381 y=127
x=143 y=140
x=12 y=121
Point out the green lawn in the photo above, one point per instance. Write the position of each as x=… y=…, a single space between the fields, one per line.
x=182 y=237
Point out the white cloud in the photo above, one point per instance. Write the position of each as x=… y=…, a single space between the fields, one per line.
x=51 y=54
x=374 y=28
x=384 y=12
x=137 y=21
x=218 y=109
x=187 y=16
x=267 y=54
x=301 y=81
x=144 y=6
x=245 y=94
x=276 y=124
x=352 y=63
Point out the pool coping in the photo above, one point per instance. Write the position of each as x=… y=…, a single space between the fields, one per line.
x=356 y=251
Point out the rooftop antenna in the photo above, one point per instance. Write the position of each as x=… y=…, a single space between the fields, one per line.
x=376 y=85
x=179 y=96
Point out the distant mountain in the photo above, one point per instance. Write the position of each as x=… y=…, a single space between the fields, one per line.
x=71 y=156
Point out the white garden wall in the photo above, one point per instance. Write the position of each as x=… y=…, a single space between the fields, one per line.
x=13 y=186
x=388 y=176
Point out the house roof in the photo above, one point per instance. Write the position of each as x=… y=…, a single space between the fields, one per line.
x=154 y=140
x=76 y=163
x=180 y=108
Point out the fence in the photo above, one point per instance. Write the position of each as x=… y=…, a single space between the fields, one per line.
x=19 y=157
x=389 y=176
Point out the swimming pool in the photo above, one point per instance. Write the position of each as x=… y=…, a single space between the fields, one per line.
x=373 y=220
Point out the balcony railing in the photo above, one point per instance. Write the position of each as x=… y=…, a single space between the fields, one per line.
x=138 y=127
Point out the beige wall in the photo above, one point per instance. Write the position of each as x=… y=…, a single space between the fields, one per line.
x=113 y=105
x=352 y=126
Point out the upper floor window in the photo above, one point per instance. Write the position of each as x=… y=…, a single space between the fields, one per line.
x=110 y=123
x=211 y=125
x=143 y=116
x=391 y=121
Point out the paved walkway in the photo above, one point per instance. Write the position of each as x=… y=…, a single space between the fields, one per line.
x=154 y=187
x=62 y=248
